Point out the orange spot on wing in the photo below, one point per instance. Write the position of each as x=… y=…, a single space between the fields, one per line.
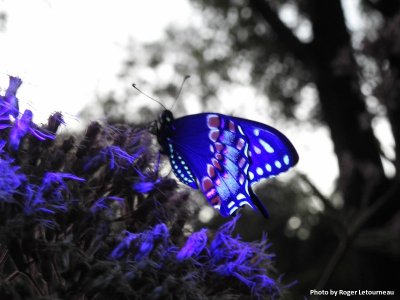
x=219 y=147
x=215 y=201
x=241 y=179
x=210 y=170
x=214 y=135
x=232 y=126
x=240 y=144
x=241 y=163
x=206 y=184
x=211 y=193
x=213 y=121
x=216 y=164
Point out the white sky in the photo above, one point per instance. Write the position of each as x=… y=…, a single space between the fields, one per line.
x=66 y=51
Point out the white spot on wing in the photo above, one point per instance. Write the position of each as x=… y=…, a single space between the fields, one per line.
x=259 y=171
x=256 y=132
x=240 y=129
x=235 y=208
x=257 y=150
x=286 y=160
x=245 y=202
x=268 y=167
x=246 y=147
x=240 y=196
x=266 y=146
x=230 y=204
x=251 y=175
x=278 y=164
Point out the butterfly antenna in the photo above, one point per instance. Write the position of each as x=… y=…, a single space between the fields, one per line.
x=180 y=90
x=136 y=88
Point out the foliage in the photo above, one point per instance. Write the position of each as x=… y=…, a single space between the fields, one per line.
x=303 y=54
x=93 y=219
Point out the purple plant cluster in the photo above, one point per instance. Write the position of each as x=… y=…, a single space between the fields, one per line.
x=91 y=218
x=226 y=258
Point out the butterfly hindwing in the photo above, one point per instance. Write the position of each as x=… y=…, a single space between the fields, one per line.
x=219 y=154
x=226 y=178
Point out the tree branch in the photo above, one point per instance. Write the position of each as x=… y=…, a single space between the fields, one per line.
x=353 y=229
x=315 y=190
x=298 y=48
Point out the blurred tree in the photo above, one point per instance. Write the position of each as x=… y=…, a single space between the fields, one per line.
x=3 y=20
x=282 y=48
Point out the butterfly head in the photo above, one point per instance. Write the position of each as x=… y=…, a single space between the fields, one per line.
x=166 y=117
x=161 y=127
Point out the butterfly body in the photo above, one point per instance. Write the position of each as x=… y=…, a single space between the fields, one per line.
x=223 y=156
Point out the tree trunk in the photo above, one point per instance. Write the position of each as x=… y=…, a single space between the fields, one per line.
x=344 y=110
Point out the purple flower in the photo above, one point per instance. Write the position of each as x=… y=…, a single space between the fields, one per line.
x=93 y=162
x=34 y=203
x=147 y=182
x=263 y=281
x=9 y=102
x=51 y=178
x=54 y=121
x=245 y=261
x=22 y=127
x=145 y=187
x=2 y=144
x=53 y=190
x=53 y=183
x=10 y=180
x=195 y=244
x=117 y=156
x=223 y=244
x=144 y=242
x=102 y=203
x=121 y=249
x=159 y=233
x=4 y=122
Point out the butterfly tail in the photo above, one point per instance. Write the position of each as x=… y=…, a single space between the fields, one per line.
x=257 y=202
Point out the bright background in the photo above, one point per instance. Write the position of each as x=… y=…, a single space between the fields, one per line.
x=69 y=52
x=66 y=52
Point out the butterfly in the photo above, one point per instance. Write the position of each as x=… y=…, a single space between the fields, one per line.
x=224 y=156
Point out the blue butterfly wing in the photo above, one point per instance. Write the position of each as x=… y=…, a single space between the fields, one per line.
x=270 y=151
x=220 y=155
x=215 y=153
